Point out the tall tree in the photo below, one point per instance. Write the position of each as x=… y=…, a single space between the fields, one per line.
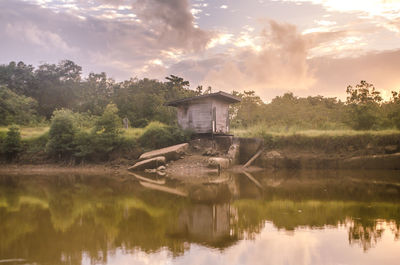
x=56 y=86
x=363 y=102
x=95 y=93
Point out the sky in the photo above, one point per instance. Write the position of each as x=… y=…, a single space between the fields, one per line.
x=308 y=47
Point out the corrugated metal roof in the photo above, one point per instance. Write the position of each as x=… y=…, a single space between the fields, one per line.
x=220 y=95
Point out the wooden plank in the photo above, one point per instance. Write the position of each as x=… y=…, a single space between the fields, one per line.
x=164 y=189
x=255 y=181
x=253 y=158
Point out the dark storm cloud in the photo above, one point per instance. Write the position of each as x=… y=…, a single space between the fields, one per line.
x=37 y=34
x=173 y=22
x=196 y=70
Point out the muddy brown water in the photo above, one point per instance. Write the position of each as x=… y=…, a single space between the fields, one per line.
x=273 y=217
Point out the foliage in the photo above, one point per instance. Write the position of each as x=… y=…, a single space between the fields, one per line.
x=142 y=101
x=363 y=101
x=249 y=111
x=12 y=142
x=158 y=135
x=84 y=145
x=95 y=93
x=62 y=134
x=16 y=108
x=362 y=117
x=363 y=93
x=394 y=109
x=30 y=95
x=288 y=112
x=107 y=130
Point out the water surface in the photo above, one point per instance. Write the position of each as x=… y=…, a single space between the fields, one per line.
x=295 y=217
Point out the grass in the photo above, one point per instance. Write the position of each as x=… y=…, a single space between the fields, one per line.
x=262 y=130
x=135 y=133
x=326 y=140
x=35 y=132
x=274 y=138
x=132 y=133
x=29 y=132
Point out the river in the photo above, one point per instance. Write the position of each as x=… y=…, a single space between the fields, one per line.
x=271 y=217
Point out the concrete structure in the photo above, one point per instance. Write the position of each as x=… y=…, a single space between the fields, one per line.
x=205 y=113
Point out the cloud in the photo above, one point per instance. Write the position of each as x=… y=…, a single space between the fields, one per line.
x=279 y=64
x=32 y=34
x=121 y=48
x=173 y=23
x=284 y=64
x=334 y=74
x=155 y=38
x=384 y=8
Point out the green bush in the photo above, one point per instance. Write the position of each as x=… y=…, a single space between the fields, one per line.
x=85 y=120
x=158 y=135
x=12 y=143
x=68 y=137
x=107 y=131
x=16 y=108
x=84 y=145
x=36 y=144
x=62 y=133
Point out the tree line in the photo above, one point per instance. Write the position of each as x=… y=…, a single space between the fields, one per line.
x=364 y=109
x=30 y=95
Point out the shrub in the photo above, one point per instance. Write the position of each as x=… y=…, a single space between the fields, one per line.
x=62 y=134
x=107 y=131
x=158 y=135
x=12 y=142
x=84 y=146
x=85 y=119
x=36 y=143
x=16 y=108
x=363 y=117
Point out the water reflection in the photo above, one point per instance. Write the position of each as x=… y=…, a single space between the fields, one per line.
x=78 y=219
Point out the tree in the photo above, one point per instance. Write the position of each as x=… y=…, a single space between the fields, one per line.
x=394 y=109
x=107 y=131
x=363 y=93
x=15 y=108
x=18 y=77
x=363 y=102
x=248 y=111
x=95 y=93
x=61 y=143
x=12 y=142
x=56 y=86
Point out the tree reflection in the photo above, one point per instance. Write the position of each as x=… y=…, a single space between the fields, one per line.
x=60 y=221
x=365 y=233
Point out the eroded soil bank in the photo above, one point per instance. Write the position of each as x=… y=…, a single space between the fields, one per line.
x=204 y=158
x=314 y=154
x=297 y=153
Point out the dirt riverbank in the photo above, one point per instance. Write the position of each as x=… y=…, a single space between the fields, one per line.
x=51 y=169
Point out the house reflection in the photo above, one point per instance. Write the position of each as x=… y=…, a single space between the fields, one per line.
x=207 y=224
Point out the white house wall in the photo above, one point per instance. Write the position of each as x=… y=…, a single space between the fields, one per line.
x=201 y=112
